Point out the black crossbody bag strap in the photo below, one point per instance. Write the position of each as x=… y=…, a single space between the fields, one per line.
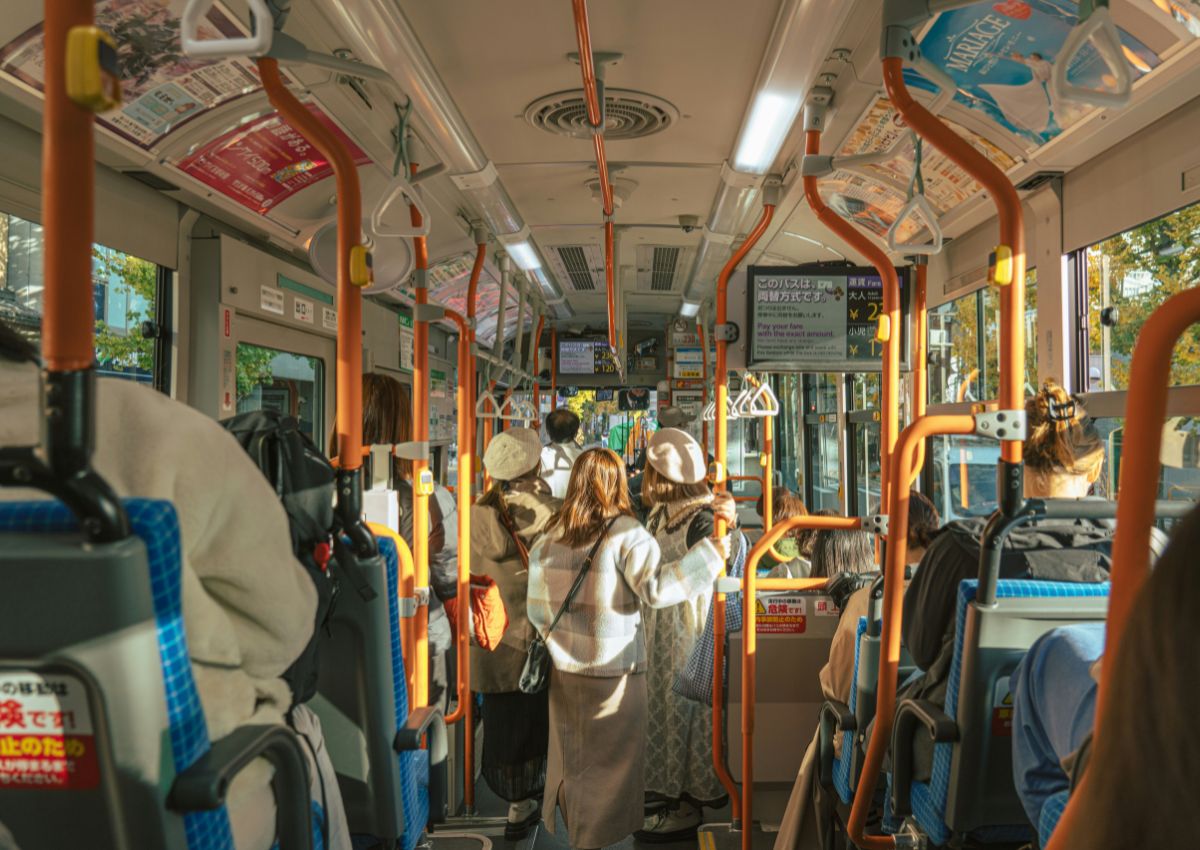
x=587 y=565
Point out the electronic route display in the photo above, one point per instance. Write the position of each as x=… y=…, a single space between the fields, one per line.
x=818 y=318
x=585 y=356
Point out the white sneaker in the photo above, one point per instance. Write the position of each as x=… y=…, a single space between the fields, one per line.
x=521 y=817
x=668 y=825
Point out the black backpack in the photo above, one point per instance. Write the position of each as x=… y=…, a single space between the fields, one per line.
x=303 y=479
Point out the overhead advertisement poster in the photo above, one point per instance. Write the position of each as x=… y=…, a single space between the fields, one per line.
x=1002 y=56
x=874 y=195
x=162 y=88
x=814 y=319
x=264 y=162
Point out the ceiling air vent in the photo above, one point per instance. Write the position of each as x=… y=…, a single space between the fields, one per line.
x=662 y=268
x=575 y=261
x=627 y=114
x=1040 y=178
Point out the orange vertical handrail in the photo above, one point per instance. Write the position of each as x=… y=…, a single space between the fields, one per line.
x=903 y=462
x=420 y=435
x=750 y=585
x=472 y=306
x=464 y=711
x=1012 y=237
x=68 y=200
x=554 y=367
x=889 y=419
x=719 y=478
x=964 y=477
x=920 y=356
x=703 y=382
x=349 y=229
x=1141 y=468
x=537 y=384
x=595 y=116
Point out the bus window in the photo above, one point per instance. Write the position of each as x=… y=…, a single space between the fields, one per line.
x=863 y=443
x=125 y=292
x=822 y=433
x=963 y=472
x=964 y=365
x=1180 y=477
x=291 y=384
x=1128 y=276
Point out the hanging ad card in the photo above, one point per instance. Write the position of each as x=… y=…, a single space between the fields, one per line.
x=162 y=89
x=1001 y=55
x=817 y=318
x=263 y=163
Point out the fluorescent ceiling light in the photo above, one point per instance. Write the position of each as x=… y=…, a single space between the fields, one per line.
x=524 y=255
x=688 y=309
x=812 y=241
x=771 y=118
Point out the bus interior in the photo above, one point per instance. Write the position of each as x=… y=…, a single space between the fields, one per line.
x=839 y=244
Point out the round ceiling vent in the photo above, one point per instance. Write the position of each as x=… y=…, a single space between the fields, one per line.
x=627 y=114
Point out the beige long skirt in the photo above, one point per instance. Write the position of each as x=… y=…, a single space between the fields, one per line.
x=595 y=771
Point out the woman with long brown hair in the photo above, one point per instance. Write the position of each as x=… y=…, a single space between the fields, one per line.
x=598 y=705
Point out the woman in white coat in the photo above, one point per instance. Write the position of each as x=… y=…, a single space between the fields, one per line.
x=596 y=767
x=679 y=758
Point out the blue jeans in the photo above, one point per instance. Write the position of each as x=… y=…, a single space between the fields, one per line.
x=1054 y=707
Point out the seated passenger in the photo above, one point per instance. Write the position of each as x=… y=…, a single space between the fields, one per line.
x=810 y=806
x=248 y=604
x=598 y=699
x=505 y=523
x=387 y=420
x=562 y=427
x=1054 y=706
x=679 y=758
x=1139 y=787
x=786 y=505
x=836 y=551
x=1063 y=457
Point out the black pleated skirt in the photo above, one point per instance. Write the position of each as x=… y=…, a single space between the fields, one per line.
x=516 y=730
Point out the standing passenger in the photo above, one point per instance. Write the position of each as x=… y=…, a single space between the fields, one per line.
x=562 y=427
x=596 y=766
x=679 y=757
x=387 y=420
x=504 y=524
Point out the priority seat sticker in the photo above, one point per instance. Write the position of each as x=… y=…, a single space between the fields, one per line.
x=46 y=735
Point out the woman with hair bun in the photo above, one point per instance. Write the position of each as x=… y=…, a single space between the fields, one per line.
x=1063 y=458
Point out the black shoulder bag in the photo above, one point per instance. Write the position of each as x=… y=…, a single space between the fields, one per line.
x=536 y=674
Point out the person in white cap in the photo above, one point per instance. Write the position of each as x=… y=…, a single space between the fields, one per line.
x=679 y=759
x=505 y=523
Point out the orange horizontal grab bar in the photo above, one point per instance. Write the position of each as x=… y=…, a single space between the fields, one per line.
x=903 y=462
x=750 y=584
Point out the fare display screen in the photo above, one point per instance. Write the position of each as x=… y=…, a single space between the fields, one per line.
x=585 y=357
x=815 y=318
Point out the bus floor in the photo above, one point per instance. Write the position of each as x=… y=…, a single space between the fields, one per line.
x=713 y=835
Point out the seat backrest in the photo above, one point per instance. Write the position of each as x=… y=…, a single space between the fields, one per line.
x=973 y=777
x=359 y=698
x=96 y=685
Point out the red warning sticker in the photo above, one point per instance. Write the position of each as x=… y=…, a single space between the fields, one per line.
x=1002 y=709
x=780 y=615
x=46 y=735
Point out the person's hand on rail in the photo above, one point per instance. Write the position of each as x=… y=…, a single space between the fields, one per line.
x=725 y=508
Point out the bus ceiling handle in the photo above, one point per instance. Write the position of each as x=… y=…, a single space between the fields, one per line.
x=400 y=190
x=764 y=394
x=1097 y=28
x=482 y=412
x=919 y=207
x=262 y=24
